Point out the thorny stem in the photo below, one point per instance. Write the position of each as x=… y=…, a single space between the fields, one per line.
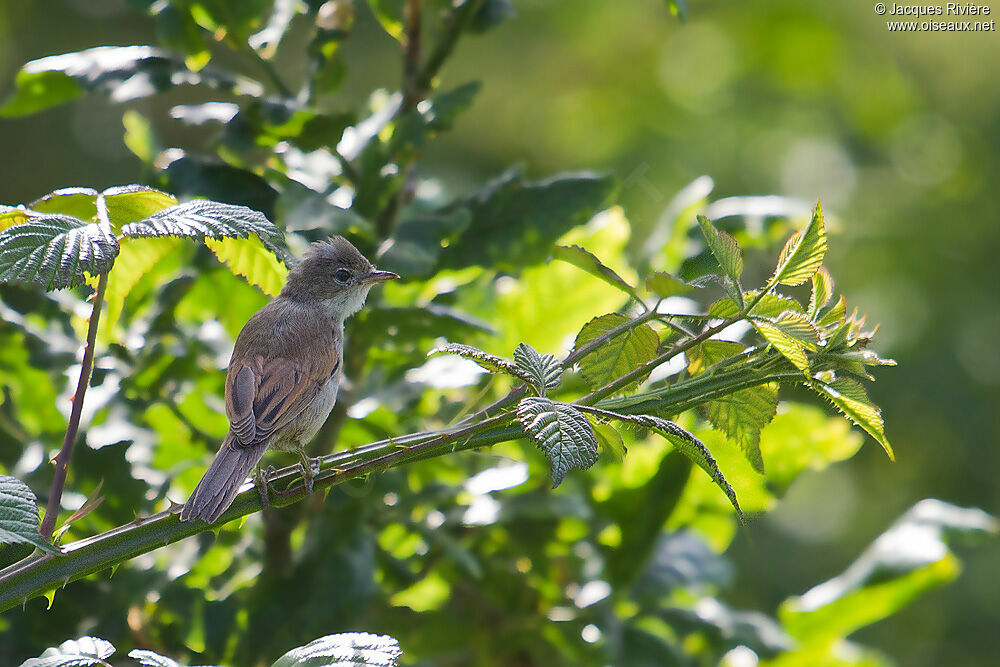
x=674 y=350
x=515 y=394
x=62 y=459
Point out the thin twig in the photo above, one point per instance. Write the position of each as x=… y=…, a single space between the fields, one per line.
x=62 y=460
x=413 y=18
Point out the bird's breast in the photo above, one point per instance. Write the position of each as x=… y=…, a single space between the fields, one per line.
x=307 y=424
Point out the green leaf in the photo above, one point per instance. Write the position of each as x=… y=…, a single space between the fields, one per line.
x=139 y=137
x=622 y=354
x=122 y=72
x=585 y=260
x=390 y=16
x=833 y=315
x=206 y=219
x=911 y=558
x=687 y=444
x=19 y=515
x=783 y=343
x=55 y=251
x=851 y=399
x=803 y=254
x=724 y=248
x=131 y=203
x=13 y=215
x=665 y=285
x=822 y=292
x=543 y=370
x=562 y=432
x=343 y=650
x=433 y=115
x=701 y=357
x=741 y=416
x=490 y=362
x=135 y=258
x=770 y=305
x=76 y=202
x=151 y=659
x=791 y=334
x=178 y=31
x=516 y=222
x=81 y=652
x=796 y=325
x=416 y=244
x=610 y=440
x=251 y=259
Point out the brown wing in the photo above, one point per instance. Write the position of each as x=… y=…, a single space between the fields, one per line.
x=264 y=394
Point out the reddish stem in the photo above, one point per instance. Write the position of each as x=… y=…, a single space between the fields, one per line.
x=62 y=460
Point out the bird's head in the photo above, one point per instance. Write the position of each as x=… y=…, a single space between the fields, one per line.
x=336 y=274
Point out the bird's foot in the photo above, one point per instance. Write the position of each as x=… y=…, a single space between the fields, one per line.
x=310 y=468
x=260 y=480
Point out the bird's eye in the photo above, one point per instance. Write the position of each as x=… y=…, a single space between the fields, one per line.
x=342 y=275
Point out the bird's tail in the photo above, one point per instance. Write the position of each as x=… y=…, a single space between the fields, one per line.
x=216 y=490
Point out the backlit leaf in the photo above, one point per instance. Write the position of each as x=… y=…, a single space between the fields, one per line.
x=724 y=248
x=686 y=443
x=701 y=357
x=851 y=399
x=822 y=291
x=741 y=416
x=390 y=16
x=770 y=305
x=585 y=260
x=251 y=259
x=803 y=254
x=790 y=348
x=622 y=354
x=665 y=285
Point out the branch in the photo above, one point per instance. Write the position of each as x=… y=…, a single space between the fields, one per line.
x=36 y=575
x=62 y=460
x=456 y=21
x=412 y=90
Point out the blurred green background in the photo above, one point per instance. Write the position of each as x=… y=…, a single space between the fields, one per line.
x=897 y=134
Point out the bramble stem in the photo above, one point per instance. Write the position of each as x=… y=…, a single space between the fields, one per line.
x=62 y=459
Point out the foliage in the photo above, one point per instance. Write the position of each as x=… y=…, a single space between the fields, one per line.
x=350 y=648
x=461 y=552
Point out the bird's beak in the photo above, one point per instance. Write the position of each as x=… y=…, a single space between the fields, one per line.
x=380 y=276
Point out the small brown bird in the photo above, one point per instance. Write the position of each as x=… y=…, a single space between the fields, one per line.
x=285 y=370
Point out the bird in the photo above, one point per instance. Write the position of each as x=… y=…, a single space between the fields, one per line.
x=285 y=371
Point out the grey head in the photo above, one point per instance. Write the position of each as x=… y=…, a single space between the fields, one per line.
x=334 y=274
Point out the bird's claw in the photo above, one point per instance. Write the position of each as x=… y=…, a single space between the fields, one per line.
x=260 y=480
x=310 y=468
